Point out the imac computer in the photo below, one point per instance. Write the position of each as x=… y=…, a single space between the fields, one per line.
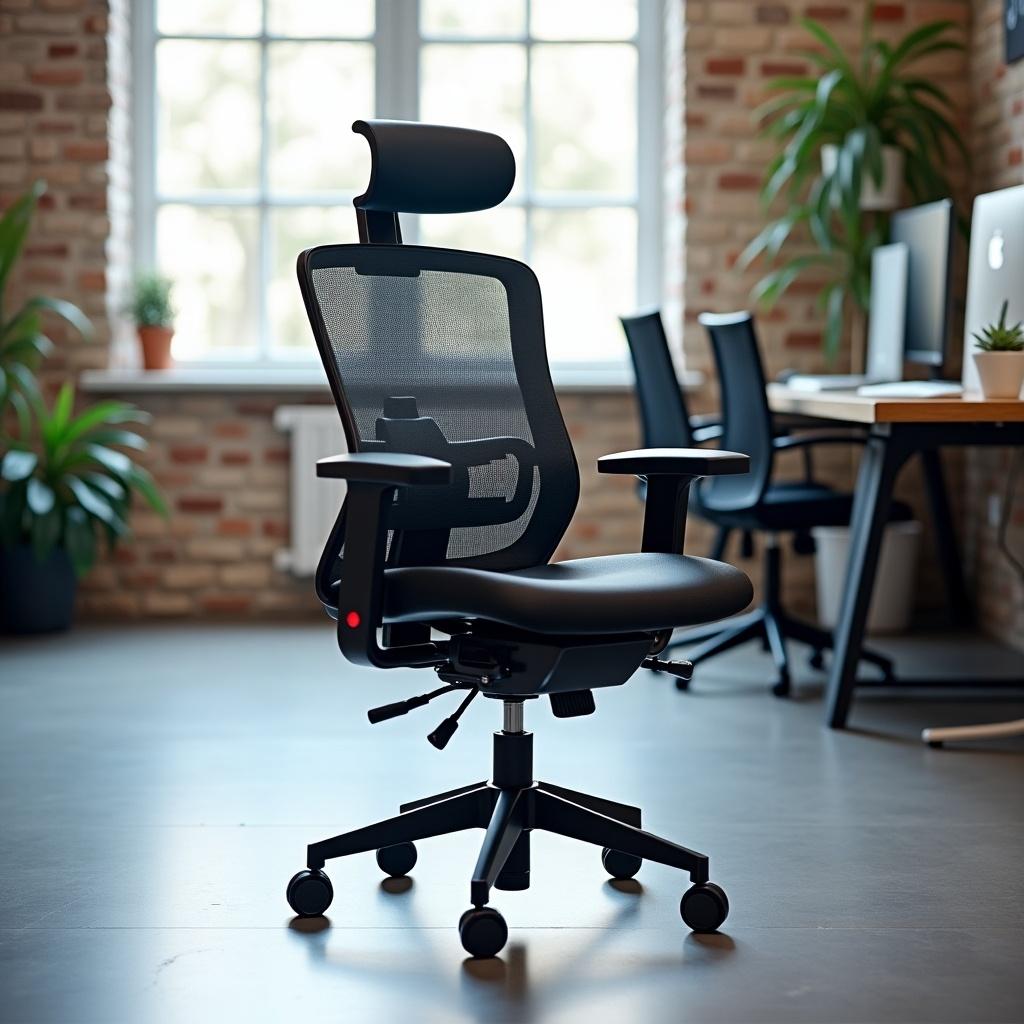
x=995 y=273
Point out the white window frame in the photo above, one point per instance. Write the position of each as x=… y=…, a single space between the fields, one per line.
x=397 y=40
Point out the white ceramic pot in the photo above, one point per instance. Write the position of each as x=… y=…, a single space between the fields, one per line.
x=1001 y=373
x=873 y=197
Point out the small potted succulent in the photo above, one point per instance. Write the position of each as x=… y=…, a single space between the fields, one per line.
x=153 y=313
x=1000 y=358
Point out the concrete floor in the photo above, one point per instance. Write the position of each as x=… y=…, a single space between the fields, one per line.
x=158 y=788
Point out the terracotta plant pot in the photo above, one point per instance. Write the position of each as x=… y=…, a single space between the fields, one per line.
x=156 y=347
x=1001 y=373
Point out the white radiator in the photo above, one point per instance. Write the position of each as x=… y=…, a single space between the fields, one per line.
x=316 y=432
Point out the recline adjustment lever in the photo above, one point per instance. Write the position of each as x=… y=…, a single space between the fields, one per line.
x=679 y=669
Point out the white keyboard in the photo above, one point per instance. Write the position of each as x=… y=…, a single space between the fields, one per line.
x=912 y=389
x=826 y=381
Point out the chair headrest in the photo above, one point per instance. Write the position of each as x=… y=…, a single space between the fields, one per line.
x=432 y=168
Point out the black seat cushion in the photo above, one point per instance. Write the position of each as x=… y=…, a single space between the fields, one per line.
x=797 y=506
x=608 y=594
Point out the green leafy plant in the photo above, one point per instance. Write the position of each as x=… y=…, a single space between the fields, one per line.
x=1000 y=338
x=71 y=481
x=151 y=301
x=859 y=105
x=23 y=341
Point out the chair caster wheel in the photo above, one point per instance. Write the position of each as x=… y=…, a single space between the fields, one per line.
x=781 y=686
x=483 y=932
x=704 y=907
x=817 y=660
x=682 y=684
x=397 y=860
x=309 y=893
x=620 y=865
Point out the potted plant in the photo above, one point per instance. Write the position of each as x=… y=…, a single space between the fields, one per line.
x=852 y=136
x=64 y=484
x=154 y=319
x=1000 y=358
x=23 y=341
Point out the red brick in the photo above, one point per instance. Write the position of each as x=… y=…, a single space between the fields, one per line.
x=276 y=455
x=55 y=127
x=739 y=181
x=140 y=579
x=775 y=68
x=827 y=12
x=275 y=528
x=92 y=280
x=725 y=65
x=200 y=504
x=50 y=250
x=88 y=201
x=87 y=151
x=234 y=527
x=231 y=428
x=163 y=556
x=706 y=91
x=226 y=604
x=1018 y=108
x=189 y=453
x=803 y=339
x=1015 y=157
x=235 y=458
x=10 y=100
x=56 y=75
x=889 y=12
x=59 y=50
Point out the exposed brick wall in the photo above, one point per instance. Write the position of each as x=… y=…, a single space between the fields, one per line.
x=997 y=144
x=64 y=92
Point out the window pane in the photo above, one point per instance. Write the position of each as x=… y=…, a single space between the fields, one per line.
x=586 y=263
x=293 y=229
x=320 y=17
x=493 y=103
x=473 y=18
x=500 y=232
x=209 y=17
x=209 y=122
x=314 y=93
x=211 y=255
x=584 y=111
x=583 y=19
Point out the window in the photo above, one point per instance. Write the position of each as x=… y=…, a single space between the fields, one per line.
x=246 y=156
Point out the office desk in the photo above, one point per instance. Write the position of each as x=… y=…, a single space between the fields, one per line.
x=897 y=429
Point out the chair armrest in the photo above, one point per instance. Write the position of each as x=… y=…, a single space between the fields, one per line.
x=678 y=462
x=373 y=478
x=391 y=469
x=669 y=473
x=808 y=438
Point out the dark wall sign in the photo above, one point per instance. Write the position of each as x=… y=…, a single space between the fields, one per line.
x=1013 y=26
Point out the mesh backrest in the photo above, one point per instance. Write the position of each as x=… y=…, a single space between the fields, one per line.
x=663 y=412
x=746 y=418
x=439 y=352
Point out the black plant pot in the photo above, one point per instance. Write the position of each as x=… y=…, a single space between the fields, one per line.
x=36 y=596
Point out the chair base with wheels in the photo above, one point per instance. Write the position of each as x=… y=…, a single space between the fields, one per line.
x=773 y=625
x=509 y=807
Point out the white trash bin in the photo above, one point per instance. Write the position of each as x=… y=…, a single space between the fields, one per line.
x=892 y=598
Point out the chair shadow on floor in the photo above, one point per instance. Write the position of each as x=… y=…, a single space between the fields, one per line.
x=484 y=987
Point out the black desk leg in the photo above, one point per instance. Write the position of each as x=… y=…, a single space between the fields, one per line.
x=960 y=609
x=880 y=464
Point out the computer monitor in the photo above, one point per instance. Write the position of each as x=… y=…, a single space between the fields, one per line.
x=995 y=273
x=927 y=232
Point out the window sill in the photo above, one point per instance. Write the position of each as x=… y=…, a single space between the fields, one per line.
x=310 y=380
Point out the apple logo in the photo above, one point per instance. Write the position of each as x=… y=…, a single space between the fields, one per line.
x=995 y=250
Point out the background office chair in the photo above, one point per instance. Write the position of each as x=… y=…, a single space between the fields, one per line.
x=756 y=502
x=461 y=482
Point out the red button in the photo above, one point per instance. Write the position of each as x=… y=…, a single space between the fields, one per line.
x=352 y=620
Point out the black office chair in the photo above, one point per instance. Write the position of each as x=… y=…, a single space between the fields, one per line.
x=461 y=481
x=665 y=420
x=758 y=503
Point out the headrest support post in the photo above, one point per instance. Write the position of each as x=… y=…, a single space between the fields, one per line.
x=428 y=168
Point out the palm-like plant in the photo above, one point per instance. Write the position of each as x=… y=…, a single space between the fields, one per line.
x=23 y=341
x=859 y=107
x=70 y=481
